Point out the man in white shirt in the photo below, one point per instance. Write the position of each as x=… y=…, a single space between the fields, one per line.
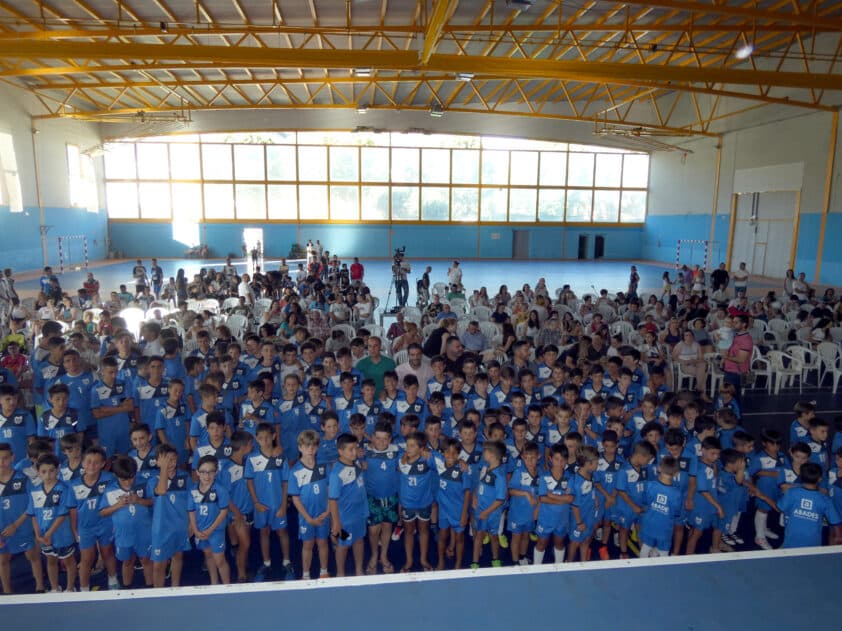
x=244 y=290
x=417 y=365
x=454 y=274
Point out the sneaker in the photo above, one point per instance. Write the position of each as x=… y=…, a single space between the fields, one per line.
x=523 y=561
x=598 y=534
x=763 y=544
x=114 y=587
x=261 y=573
x=533 y=537
x=728 y=539
x=138 y=566
x=771 y=535
x=485 y=540
x=603 y=553
x=724 y=547
x=289 y=572
x=738 y=539
x=396 y=533
x=474 y=566
x=504 y=541
x=496 y=563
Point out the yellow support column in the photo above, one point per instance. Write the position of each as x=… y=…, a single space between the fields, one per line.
x=828 y=185
x=732 y=224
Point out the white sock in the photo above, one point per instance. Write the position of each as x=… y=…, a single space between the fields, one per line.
x=112 y=581
x=760 y=525
x=267 y=564
x=558 y=553
x=646 y=551
x=732 y=526
x=662 y=553
x=84 y=589
x=538 y=556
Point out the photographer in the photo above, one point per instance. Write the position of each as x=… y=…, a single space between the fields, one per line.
x=400 y=270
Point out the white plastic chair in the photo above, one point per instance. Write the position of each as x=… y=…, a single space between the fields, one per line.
x=347 y=329
x=481 y=313
x=412 y=314
x=761 y=368
x=134 y=319
x=491 y=331
x=376 y=331
x=230 y=303
x=834 y=368
x=608 y=312
x=401 y=357
x=440 y=289
x=425 y=332
x=836 y=333
x=681 y=377
x=238 y=325
x=785 y=369
x=809 y=359
x=622 y=328
x=829 y=354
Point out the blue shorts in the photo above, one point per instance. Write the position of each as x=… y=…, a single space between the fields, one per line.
x=216 y=542
x=702 y=520
x=59 y=552
x=127 y=553
x=89 y=538
x=453 y=522
x=22 y=541
x=270 y=519
x=308 y=532
x=357 y=531
x=625 y=516
x=518 y=524
x=659 y=540
x=577 y=535
x=169 y=547
x=490 y=525
x=546 y=528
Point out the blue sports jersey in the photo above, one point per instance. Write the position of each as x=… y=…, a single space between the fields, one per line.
x=662 y=506
x=169 y=511
x=554 y=514
x=264 y=412
x=232 y=390
x=67 y=473
x=766 y=484
x=632 y=482
x=174 y=421
x=452 y=486
x=433 y=385
x=149 y=399
x=491 y=488
x=113 y=431
x=521 y=510
x=417 y=483
x=404 y=407
x=232 y=475
x=729 y=493
x=804 y=510
x=706 y=482
x=539 y=437
x=44 y=375
x=15 y=429
x=7 y=376
x=473 y=459
x=133 y=522
x=381 y=475
x=328 y=454
x=312 y=415
x=834 y=487
x=207 y=505
x=818 y=453
x=798 y=433
x=204 y=447
x=310 y=487
x=334 y=386
x=14 y=500
x=80 y=397
x=47 y=506
x=147 y=466
x=56 y=427
x=174 y=368
x=346 y=486
x=584 y=492
x=127 y=367
x=269 y=475
x=293 y=420
x=88 y=499
x=344 y=408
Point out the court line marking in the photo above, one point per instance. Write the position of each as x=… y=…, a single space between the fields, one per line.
x=414 y=577
x=788 y=413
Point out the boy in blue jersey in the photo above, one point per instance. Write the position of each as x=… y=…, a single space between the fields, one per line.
x=789 y=474
x=834 y=480
x=92 y=531
x=51 y=506
x=59 y=420
x=727 y=400
x=46 y=372
x=675 y=445
x=79 y=384
x=765 y=469
x=662 y=506
x=584 y=510
x=309 y=493
x=382 y=482
x=150 y=393
x=343 y=399
x=267 y=476
x=208 y=396
x=453 y=499
x=347 y=504
x=240 y=507
x=71 y=463
x=173 y=421
x=17 y=427
x=291 y=416
x=799 y=430
x=554 y=510
x=16 y=535
x=255 y=409
x=327 y=454
x=705 y=509
x=126 y=505
x=630 y=487
x=805 y=508
x=489 y=500
x=169 y=491
x=523 y=502
x=728 y=426
x=112 y=404
x=605 y=479
x=817 y=441
x=142 y=452
x=416 y=494
x=315 y=405
x=214 y=443
x=207 y=510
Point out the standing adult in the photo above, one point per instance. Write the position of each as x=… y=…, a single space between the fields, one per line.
x=357 y=271
x=245 y=291
x=454 y=274
x=156 y=275
x=741 y=276
x=719 y=278
x=376 y=364
x=139 y=275
x=737 y=361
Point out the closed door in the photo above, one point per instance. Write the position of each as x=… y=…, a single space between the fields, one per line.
x=763 y=232
x=520 y=244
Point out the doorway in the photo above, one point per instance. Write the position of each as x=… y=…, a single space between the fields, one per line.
x=253 y=249
x=584 y=243
x=599 y=246
x=763 y=232
x=520 y=244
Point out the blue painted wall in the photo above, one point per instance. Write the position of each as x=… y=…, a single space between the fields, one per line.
x=732 y=593
x=20 y=235
x=662 y=233
x=379 y=241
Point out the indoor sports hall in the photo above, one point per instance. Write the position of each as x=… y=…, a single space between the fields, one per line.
x=528 y=192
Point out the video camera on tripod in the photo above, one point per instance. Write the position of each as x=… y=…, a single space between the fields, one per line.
x=400 y=269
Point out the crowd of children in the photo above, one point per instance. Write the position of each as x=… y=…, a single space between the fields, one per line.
x=161 y=452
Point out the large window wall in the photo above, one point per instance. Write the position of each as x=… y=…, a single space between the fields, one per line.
x=372 y=177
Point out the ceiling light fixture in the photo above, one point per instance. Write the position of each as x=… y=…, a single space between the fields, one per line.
x=745 y=51
x=465 y=76
x=362 y=72
x=362 y=109
x=436 y=111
